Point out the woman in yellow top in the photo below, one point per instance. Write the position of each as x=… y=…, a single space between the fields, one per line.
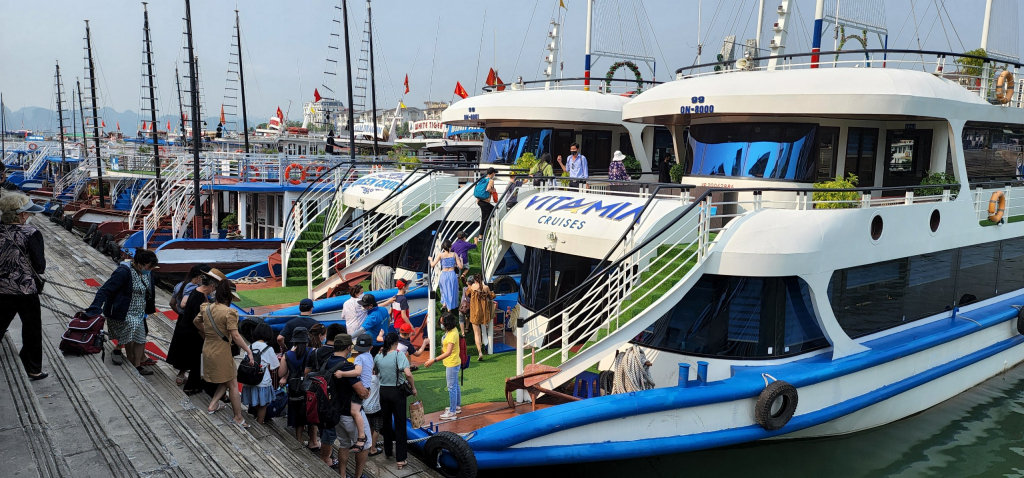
x=452 y=361
x=542 y=168
x=218 y=323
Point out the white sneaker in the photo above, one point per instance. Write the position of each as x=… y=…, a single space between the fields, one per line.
x=457 y=410
x=448 y=415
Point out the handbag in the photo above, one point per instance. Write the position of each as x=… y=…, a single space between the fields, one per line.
x=234 y=348
x=416 y=414
x=39 y=281
x=464 y=305
x=252 y=374
x=403 y=387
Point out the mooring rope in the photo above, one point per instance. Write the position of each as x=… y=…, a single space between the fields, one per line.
x=632 y=372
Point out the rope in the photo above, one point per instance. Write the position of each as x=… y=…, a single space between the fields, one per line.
x=58 y=284
x=632 y=372
x=382 y=278
x=465 y=436
x=251 y=278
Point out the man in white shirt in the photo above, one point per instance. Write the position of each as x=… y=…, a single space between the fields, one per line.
x=353 y=313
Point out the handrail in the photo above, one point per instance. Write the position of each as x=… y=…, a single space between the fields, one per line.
x=847 y=52
x=595 y=276
x=558 y=81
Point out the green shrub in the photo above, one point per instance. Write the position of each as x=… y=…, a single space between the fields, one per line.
x=849 y=197
x=229 y=221
x=972 y=66
x=937 y=178
x=145 y=150
x=564 y=182
x=676 y=173
x=633 y=167
x=525 y=162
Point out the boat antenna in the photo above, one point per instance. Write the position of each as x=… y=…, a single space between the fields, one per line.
x=348 y=79
x=152 y=98
x=373 y=82
x=241 y=84
x=60 y=119
x=95 y=115
x=197 y=217
x=590 y=30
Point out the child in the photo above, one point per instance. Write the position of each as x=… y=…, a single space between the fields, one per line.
x=452 y=363
x=363 y=363
x=259 y=396
x=405 y=344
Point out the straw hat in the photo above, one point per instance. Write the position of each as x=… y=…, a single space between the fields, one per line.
x=220 y=277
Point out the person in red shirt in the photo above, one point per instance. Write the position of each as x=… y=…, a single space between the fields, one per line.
x=399 y=305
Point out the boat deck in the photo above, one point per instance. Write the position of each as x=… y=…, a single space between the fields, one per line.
x=479 y=415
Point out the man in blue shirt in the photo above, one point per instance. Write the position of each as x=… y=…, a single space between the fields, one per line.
x=376 y=320
x=576 y=165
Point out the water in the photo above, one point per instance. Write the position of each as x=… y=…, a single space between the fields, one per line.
x=979 y=433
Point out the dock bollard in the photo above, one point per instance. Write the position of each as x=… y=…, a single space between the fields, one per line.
x=684 y=375
x=702 y=373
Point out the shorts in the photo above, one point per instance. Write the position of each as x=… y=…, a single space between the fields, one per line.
x=328 y=436
x=376 y=421
x=349 y=436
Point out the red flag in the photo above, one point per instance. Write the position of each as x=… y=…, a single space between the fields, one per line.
x=103 y=123
x=497 y=81
x=168 y=126
x=459 y=90
x=316 y=95
x=119 y=126
x=222 y=119
x=144 y=128
x=280 y=115
x=406 y=83
x=490 y=77
x=184 y=117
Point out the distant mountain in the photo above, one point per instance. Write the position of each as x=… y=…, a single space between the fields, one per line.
x=39 y=119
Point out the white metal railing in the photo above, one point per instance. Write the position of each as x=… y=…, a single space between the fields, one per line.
x=73 y=181
x=985 y=198
x=176 y=186
x=174 y=172
x=185 y=208
x=36 y=162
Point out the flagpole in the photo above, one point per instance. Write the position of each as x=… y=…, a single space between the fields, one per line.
x=348 y=77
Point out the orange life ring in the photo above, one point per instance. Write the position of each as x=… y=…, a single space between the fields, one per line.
x=1004 y=87
x=996 y=207
x=288 y=176
x=33 y=146
x=254 y=175
x=238 y=151
x=316 y=170
x=163 y=150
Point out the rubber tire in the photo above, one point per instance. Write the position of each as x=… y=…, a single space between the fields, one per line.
x=114 y=251
x=89 y=233
x=1020 y=321
x=606 y=381
x=247 y=326
x=763 y=409
x=506 y=284
x=105 y=241
x=68 y=224
x=455 y=446
x=95 y=241
x=58 y=212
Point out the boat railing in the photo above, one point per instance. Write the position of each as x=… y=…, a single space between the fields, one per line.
x=657 y=266
x=986 y=199
x=978 y=74
x=175 y=185
x=176 y=170
x=185 y=203
x=612 y=86
x=36 y=162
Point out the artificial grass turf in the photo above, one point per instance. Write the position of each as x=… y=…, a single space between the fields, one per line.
x=271 y=296
x=986 y=222
x=484 y=381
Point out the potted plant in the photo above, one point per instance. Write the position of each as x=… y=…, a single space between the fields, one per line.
x=839 y=199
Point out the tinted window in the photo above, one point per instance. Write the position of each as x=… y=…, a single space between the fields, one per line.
x=549 y=275
x=1011 y=265
x=990 y=150
x=869 y=298
x=413 y=255
x=930 y=283
x=977 y=277
x=739 y=317
x=506 y=145
x=753 y=150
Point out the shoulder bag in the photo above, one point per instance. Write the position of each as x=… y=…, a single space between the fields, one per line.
x=234 y=348
x=403 y=385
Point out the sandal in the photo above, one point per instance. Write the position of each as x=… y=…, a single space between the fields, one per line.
x=360 y=444
x=242 y=425
x=402 y=463
x=335 y=464
x=220 y=406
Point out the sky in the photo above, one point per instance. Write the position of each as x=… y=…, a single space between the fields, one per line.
x=436 y=42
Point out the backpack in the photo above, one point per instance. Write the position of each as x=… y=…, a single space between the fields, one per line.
x=295 y=391
x=480 y=191
x=84 y=335
x=176 y=297
x=276 y=407
x=252 y=375
x=317 y=386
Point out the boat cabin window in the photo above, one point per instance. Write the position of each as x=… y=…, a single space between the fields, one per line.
x=414 y=254
x=993 y=150
x=662 y=146
x=875 y=297
x=739 y=317
x=506 y=145
x=861 y=148
x=548 y=275
x=907 y=157
x=782 y=151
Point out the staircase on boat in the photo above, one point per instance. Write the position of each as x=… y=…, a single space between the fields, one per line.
x=33 y=166
x=360 y=242
x=69 y=186
x=173 y=211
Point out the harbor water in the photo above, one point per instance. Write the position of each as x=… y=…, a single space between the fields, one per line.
x=979 y=433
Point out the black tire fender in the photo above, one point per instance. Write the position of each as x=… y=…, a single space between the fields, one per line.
x=89 y=233
x=776 y=405
x=59 y=212
x=68 y=223
x=456 y=448
x=95 y=241
x=1020 y=321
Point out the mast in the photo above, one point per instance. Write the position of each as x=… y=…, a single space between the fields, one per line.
x=241 y=84
x=760 y=22
x=81 y=114
x=60 y=120
x=152 y=98
x=985 y=25
x=3 y=129
x=197 y=232
x=586 y=59
x=373 y=82
x=95 y=116
x=181 y=109
x=74 y=119
x=348 y=79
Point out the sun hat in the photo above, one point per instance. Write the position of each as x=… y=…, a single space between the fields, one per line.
x=301 y=335
x=217 y=274
x=618 y=156
x=30 y=207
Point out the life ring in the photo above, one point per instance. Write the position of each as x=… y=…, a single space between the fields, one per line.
x=775 y=405
x=456 y=448
x=33 y=146
x=996 y=207
x=239 y=151
x=1004 y=87
x=288 y=176
x=316 y=170
x=163 y=150
x=254 y=174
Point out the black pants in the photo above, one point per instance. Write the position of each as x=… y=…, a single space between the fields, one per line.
x=27 y=308
x=486 y=208
x=392 y=406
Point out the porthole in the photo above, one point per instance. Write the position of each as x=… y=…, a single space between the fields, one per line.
x=876 y=228
x=933 y=222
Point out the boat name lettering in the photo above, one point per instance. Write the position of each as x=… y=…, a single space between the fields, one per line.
x=717 y=185
x=561 y=221
x=616 y=211
x=698 y=109
x=382 y=183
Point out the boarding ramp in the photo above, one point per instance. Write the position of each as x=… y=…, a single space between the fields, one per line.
x=404 y=204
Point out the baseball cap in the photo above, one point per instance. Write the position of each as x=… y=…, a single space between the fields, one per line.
x=367 y=299
x=341 y=341
x=400 y=284
x=306 y=304
x=363 y=343
x=405 y=328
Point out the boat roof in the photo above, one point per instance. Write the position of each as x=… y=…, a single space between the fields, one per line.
x=535 y=106
x=820 y=92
